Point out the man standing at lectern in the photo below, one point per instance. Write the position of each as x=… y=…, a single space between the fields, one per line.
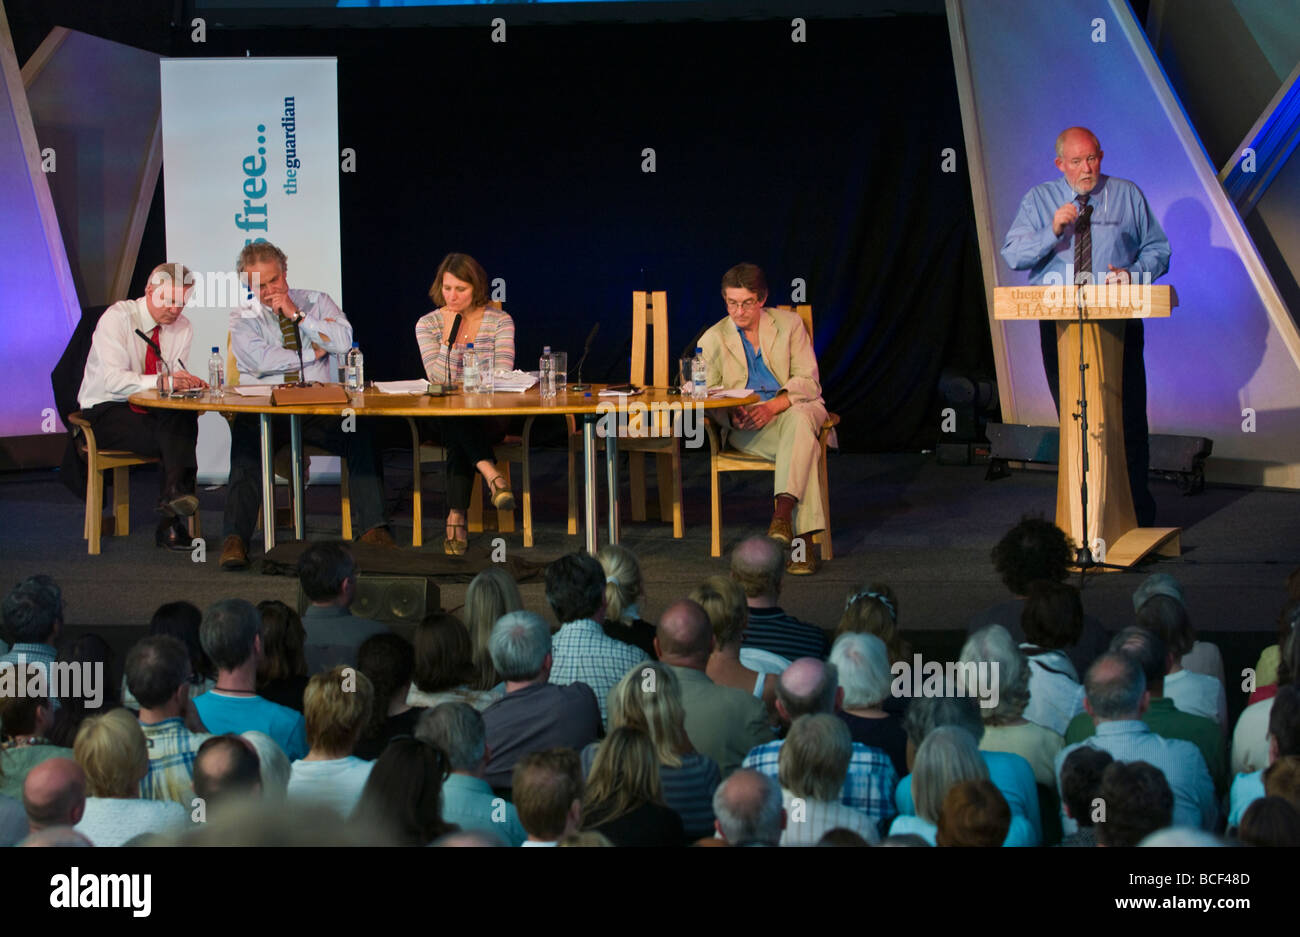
x=1073 y=229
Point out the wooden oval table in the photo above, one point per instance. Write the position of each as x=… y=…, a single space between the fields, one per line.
x=593 y=408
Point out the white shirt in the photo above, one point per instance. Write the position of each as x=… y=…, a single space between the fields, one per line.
x=112 y=821
x=807 y=820
x=1199 y=695
x=115 y=366
x=1055 y=695
x=336 y=783
x=258 y=344
x=1250 y=740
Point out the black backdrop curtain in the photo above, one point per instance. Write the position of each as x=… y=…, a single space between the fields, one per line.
x=820 y=160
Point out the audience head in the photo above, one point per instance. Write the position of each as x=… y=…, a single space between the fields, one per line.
x=284 y=641
x=336 y=706
x=995 y=646
x=1284 y=722
x=757 y=565
x=1287 y=622
x=444 y=654
x=472 y=839
x=328 y=573
x=77 y=699
x=1288 y=667
x=1282 y=779
x=1137 y=800
x=54 y=794
x=1158 y=584
x=684 y=637
x=1081 y=773
x=547 y=790
x=182 y=620
x=1168 y=618
x=585 y=838
x=33 y=610
x=521 y=647
x=112 y=750
x=649 y=698
x=948 y=756
x=624 y=775
x=807 y=686
x=814 y=759
x=457 y=730
x=862 y=663
x=388 y=660
x=1181 y=837
x=28 y=715
x=56 y=836
x=158 y=673
x=1148 y=649
x=974 y=813
x=841 y=837
x=1115 y=688
x=623 y=585
x=873 y=609
x=491 y=594
x=227 y=769
x=1053 y=614
x=1033 y=549
x=748 y=809
x=575 y=588
x=723 y=601
x=402 y=798
x=231 y=633
x=1270 y=821
x=273 y=766
x=927 y=713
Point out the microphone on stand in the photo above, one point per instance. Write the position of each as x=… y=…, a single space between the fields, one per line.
x=585 y=349
x=688 y=350
x=451 y=340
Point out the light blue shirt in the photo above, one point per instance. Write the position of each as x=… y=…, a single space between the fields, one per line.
x=471 y=805
x=761 y=381
x=1125 y=233
x=1180 y=762
x=258 y=343
x=42 y=656
x=1246 y=789
x=1014 y=778
x=235 y=714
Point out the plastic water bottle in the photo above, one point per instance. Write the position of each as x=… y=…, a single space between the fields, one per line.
x=216 y=373
x=546 y=374
x=469 y=371
x=699 y=376
x=354 y=369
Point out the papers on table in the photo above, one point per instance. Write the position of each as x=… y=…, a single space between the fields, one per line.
x=513 y=382
x=252 y=390
x=611 y=392
x=402 y=387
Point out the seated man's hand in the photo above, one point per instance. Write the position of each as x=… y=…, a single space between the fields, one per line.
x=183 y=380
x=757 y=416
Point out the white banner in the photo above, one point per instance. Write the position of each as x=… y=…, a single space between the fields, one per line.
x=250 y=152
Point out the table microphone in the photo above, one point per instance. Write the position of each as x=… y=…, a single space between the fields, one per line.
x=451 y=340
x=688 y=350
x=585 y=349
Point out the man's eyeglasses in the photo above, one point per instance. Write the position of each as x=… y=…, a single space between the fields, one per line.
x=748 y=305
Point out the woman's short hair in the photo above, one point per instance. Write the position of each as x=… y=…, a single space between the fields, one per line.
x=623 y=585
x=458 y=731
x=863 y=664
x=649 y=698
x=995 y=646
x=974 y=813
x=1081 y=773
x=182 y=620
x=814 y=758
x=1034 y=549
x=723 y=600
x=1270 y=821
x=1052 y=616
x=1168 y=618
x=948 y=756
x=873 y=609
x=444 y=656
x=624 y=775
x=284 y=641
x=544 y=786
x=462 y=267
x=389 y=661
x=18 y=714
x=520 y=642
x=112 y=750
x=490 y=594
x=336 y=706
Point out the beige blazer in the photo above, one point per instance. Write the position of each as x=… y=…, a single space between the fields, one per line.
x=787 y=352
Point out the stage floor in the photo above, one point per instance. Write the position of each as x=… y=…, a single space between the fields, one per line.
x=902 y=519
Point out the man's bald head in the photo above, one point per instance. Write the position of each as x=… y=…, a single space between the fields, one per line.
x=684 y=637
x=1115 y=686
x=748 y=809
x=226 y=767
x=757 y=565
x=54 y=794
x=807 y=687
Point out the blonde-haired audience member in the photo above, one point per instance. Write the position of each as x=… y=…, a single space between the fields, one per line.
x=814 y=762
x=624 y=590
x=623 y=798
x=112 y=751
x=337 y=707
x=490 y=594
x=1005 y=727
x=649 y=698
x=723 y=600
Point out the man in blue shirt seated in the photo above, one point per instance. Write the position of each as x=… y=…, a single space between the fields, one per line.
x=1088 y=227
x=770 y=352
x=231 y=635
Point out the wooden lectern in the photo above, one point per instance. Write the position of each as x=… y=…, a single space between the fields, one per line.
x=1112 y=533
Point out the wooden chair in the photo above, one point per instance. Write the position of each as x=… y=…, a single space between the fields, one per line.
x=282 y=464
x=648 y=310
x=119 y=461
x=722 y=459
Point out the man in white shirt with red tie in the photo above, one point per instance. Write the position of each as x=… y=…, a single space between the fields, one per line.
x=122 y=363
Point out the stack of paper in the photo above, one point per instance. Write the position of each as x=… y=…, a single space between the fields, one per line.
x=420 y=386
x=252 y=390
x=513 y=382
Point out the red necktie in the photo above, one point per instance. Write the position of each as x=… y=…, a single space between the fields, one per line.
x=151 y=360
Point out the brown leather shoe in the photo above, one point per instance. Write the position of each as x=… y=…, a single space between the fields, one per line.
x=234 y=553
x=781 y=530
x=805 y=567
x=378 y=537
